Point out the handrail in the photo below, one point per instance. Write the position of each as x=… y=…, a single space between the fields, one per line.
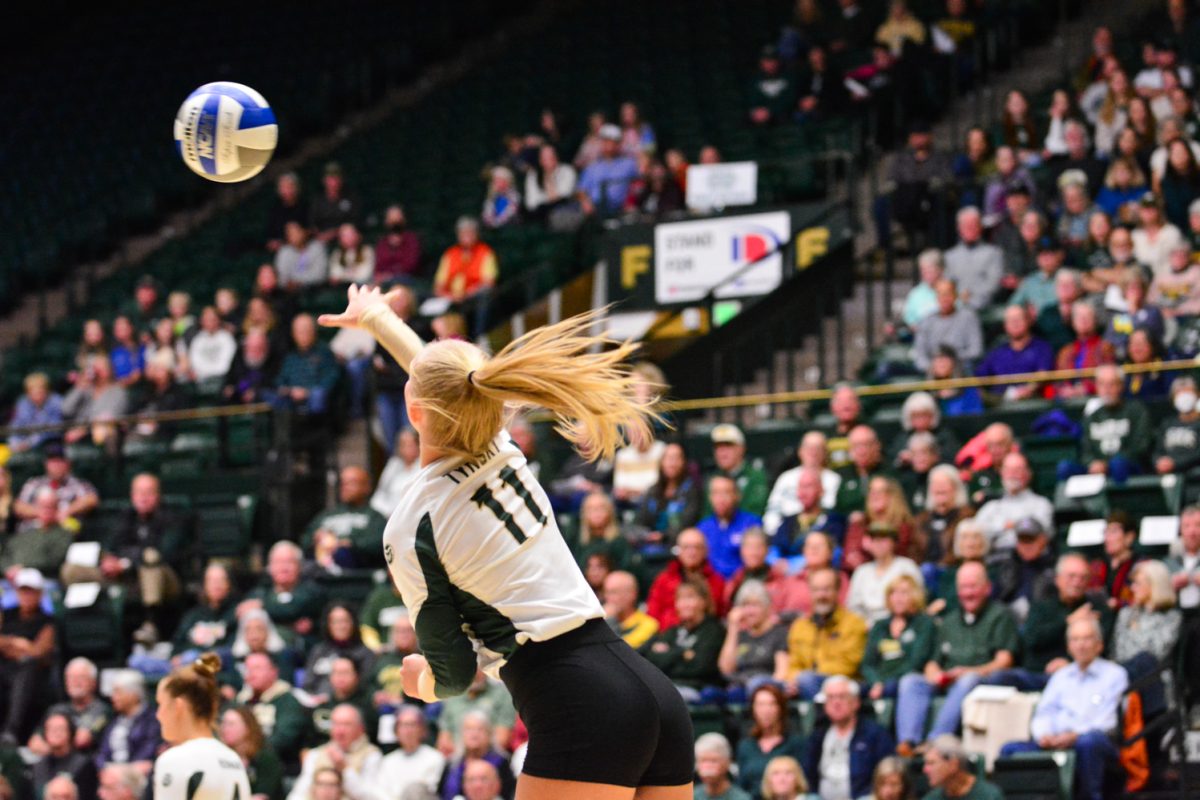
x=880 y=390
x=182 y=415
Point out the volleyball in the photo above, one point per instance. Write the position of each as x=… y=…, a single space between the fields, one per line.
x=225 y=132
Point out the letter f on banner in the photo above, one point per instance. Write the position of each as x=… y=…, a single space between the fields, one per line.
x=635 y=260
x=811 y=244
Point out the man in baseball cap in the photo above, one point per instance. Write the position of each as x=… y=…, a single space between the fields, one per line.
x=729 y=454
x=604 y=184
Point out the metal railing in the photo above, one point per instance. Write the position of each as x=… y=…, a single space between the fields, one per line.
x=932 y=386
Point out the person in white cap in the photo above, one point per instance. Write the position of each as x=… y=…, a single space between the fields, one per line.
x=604 y=184
x=729 y=453
x=26 y=648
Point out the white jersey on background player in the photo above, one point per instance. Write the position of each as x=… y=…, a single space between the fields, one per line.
x=200 y=769
x=479 y=539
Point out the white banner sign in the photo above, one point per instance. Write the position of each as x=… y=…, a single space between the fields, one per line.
x=722 y=185
x=690 y=258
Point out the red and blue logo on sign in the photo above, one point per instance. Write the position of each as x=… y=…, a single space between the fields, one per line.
x=756 y=243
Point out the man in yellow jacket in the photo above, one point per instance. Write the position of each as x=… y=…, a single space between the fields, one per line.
x=830 y=641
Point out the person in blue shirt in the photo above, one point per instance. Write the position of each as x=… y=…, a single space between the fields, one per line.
x=605 y=182
x=724 y=527
x=1021 y=353
x=127 y=354
x=38 y=406
x=1079 y=709
x=954 y=402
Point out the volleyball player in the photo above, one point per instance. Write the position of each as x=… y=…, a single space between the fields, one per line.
x=488 y=580
x=197 y=766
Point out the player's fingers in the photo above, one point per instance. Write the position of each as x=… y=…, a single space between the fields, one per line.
x=334 y=320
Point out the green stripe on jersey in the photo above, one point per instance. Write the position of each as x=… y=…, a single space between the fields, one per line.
x=446 y=614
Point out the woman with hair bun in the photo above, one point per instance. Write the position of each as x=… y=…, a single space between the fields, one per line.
x=197 y=766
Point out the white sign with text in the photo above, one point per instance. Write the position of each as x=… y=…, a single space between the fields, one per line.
x=691 y=258
x=722 y=185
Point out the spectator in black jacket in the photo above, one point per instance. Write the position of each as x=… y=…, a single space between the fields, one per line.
x=1024 y=575
x=918 y=174
x=162 y=394
x=335 y=206
x=289 y=207
x=821 y=89
x=146 y=550
x=772 y=91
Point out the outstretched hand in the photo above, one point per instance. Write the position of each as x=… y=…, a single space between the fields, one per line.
x=358 y=300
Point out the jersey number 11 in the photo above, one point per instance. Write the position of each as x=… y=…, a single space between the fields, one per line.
x=493 y=500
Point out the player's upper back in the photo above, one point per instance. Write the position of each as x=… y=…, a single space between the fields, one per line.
x=200 y=769
x=488 y=527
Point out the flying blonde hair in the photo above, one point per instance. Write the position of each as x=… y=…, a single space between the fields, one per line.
x=562 y=368
x=582 y=378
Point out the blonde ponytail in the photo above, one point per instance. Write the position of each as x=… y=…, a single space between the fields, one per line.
x=582 y=378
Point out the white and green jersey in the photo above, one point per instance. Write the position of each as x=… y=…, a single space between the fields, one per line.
x=477 y=555
x=200 y=769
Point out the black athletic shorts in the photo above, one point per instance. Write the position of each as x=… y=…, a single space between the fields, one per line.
x=598 y=712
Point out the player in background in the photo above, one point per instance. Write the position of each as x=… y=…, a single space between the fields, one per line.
x=488 y=580
x=197 y=766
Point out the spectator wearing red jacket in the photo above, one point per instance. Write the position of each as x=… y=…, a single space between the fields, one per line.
x=691 y=561
x=398 y=251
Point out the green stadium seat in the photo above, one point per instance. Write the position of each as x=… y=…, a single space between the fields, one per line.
x=222 y=531
x=1036 y=776
x=352 y=586
x=1146 y=496
x=707 y=719
x=95 y=632
x=1044 y=454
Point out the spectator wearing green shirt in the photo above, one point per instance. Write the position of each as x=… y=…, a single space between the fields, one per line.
x=289 y=603
x=1177 y=444
x=242 y=734
x=866 y=461
x=1117 y=436
x=42 y=545
x=284 y=721
x=1044 y=634
x=900 y=644
x=351 y=533
x=974 y=642
x=688 y=652
x=951 y=774
x=212 y=623
x=729 y=453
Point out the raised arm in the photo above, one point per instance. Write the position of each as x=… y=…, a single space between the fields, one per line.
x=369 y=308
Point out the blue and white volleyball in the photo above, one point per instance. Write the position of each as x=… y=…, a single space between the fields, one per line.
x=225 y=132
